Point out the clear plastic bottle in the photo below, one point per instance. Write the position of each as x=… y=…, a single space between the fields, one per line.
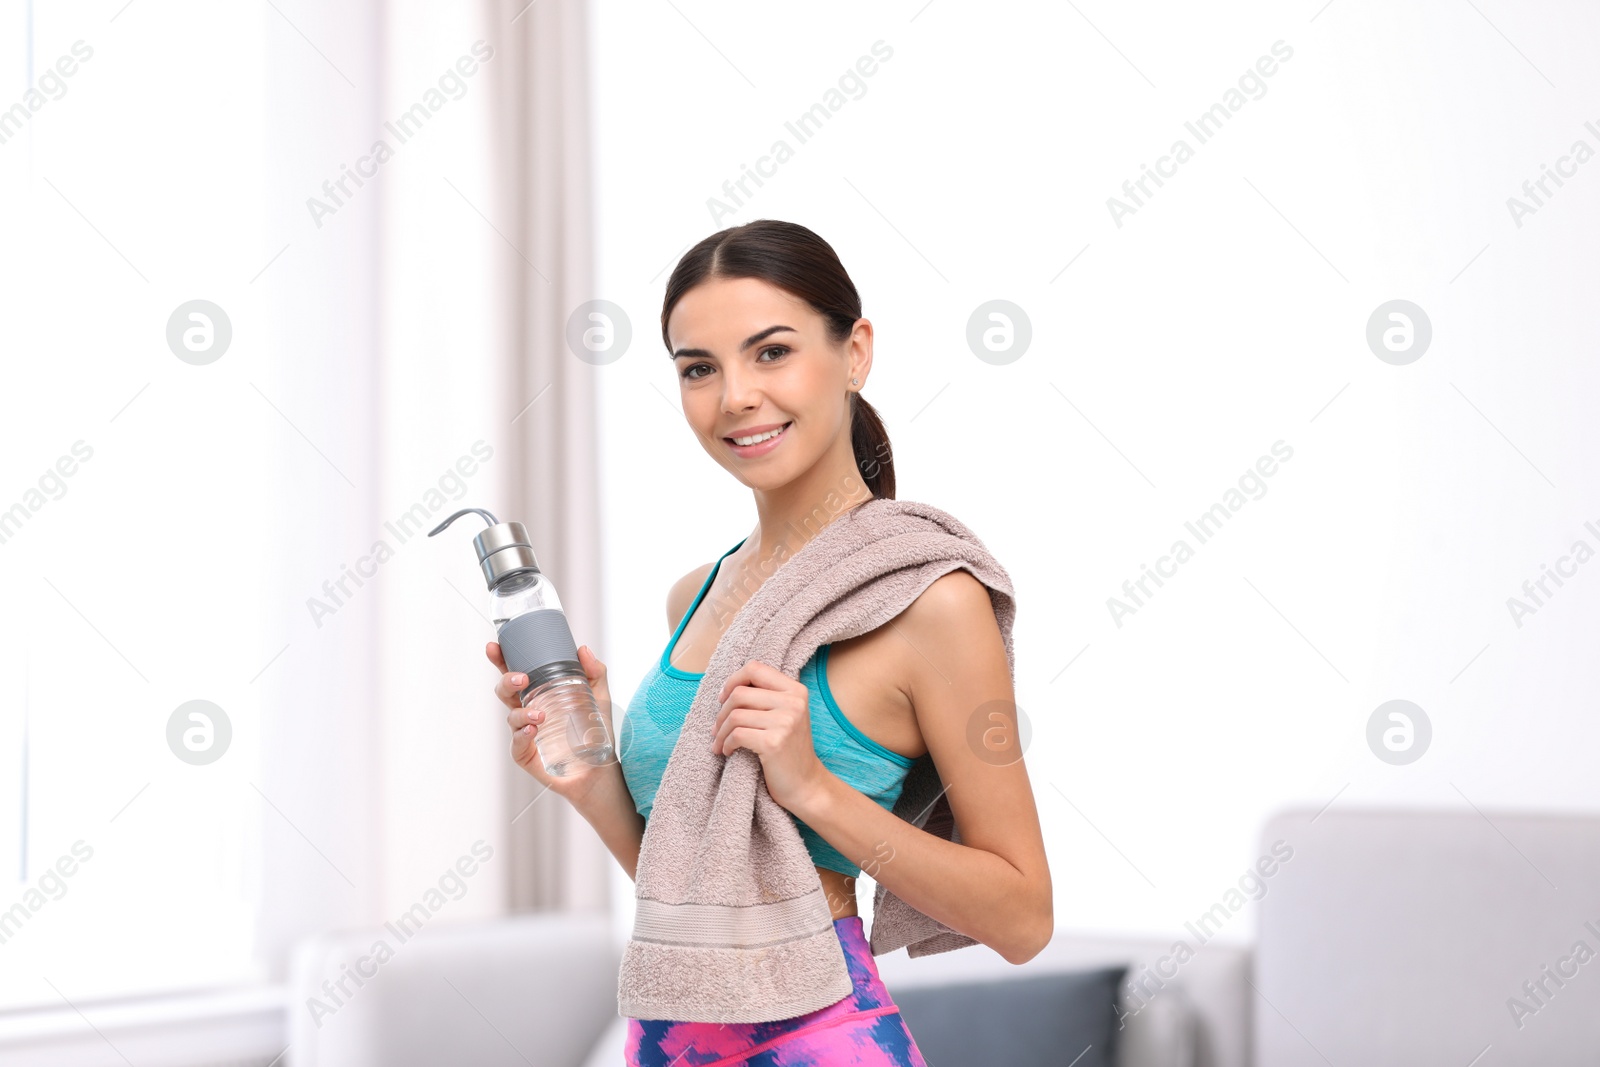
x=537 y=641
x=527 y=615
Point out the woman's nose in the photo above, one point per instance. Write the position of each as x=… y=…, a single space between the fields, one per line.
x=739 y=390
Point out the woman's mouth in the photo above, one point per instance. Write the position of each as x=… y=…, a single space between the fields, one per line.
x=759 y=443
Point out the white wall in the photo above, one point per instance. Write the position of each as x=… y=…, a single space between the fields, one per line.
x=1227 y=313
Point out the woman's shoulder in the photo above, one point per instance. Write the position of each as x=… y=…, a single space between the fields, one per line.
x=953 y=596
x=950 y=621
x=682 y=593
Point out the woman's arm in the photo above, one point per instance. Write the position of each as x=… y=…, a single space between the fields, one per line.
x=609 y=808
x=995 y=885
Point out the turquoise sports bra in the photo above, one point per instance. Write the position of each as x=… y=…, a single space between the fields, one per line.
x=655 y=716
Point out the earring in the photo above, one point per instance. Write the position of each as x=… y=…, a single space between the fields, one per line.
x=855 y=381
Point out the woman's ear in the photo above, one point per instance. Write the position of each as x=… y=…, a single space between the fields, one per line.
x=859 y=347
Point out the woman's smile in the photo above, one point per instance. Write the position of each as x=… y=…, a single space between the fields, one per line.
x=763 y=439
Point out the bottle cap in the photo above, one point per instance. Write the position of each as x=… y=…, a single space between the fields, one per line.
x=504 y=550
x=503 y=547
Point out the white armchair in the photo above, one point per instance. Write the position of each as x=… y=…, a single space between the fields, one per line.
x=536 y=989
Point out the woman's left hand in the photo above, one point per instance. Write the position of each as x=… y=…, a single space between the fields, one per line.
x=769 y=713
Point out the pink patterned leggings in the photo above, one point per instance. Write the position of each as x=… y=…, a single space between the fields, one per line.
x=863 y=1029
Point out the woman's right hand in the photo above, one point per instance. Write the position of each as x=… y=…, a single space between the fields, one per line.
x=581 y=777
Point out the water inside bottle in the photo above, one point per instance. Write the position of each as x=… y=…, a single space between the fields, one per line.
x=569 y=708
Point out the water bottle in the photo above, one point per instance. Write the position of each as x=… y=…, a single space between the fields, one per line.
x=536 y=641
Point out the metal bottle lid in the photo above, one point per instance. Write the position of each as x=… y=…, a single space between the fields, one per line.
x=503 y=547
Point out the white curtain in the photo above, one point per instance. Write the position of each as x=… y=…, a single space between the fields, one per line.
x=416 y=347
x=543 y=171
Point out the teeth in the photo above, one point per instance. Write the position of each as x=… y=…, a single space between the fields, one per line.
x=758 y=438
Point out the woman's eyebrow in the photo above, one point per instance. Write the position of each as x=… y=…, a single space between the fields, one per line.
x=753 y=339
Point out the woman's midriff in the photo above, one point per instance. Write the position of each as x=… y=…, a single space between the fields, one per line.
x=840 y=889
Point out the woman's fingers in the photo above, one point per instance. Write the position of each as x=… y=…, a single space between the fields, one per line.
x=757 y=675
x=524 y=723
x=746 y=696
x=509 y=688
x=526 y=755
x=593 y=669
x=595 y=672
x=511 y=683
x=750 y=720
x=521 y=717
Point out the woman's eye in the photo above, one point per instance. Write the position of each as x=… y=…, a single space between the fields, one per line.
x=688 y=372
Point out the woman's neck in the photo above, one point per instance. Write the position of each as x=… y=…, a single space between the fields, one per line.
x=789 y=517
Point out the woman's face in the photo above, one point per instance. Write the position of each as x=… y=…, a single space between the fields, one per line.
x=750 y=359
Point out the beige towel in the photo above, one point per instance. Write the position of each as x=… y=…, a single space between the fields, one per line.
x=732 y=923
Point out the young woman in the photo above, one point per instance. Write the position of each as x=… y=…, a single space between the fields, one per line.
x=771 y=352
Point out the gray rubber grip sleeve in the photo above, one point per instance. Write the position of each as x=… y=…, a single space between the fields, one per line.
x=537 y=639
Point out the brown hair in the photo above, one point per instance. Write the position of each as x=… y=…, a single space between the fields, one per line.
x=799 y=262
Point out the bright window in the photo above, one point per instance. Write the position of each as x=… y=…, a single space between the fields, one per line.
x=132 y=517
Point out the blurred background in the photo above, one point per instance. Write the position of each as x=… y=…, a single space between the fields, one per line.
x=1307 y=288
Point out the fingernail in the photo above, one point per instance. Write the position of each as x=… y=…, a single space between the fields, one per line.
x=519 y=679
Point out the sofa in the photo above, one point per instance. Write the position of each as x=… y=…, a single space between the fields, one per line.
x=1383 y=937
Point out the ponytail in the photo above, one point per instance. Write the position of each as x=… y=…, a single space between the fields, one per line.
x=870 y=441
